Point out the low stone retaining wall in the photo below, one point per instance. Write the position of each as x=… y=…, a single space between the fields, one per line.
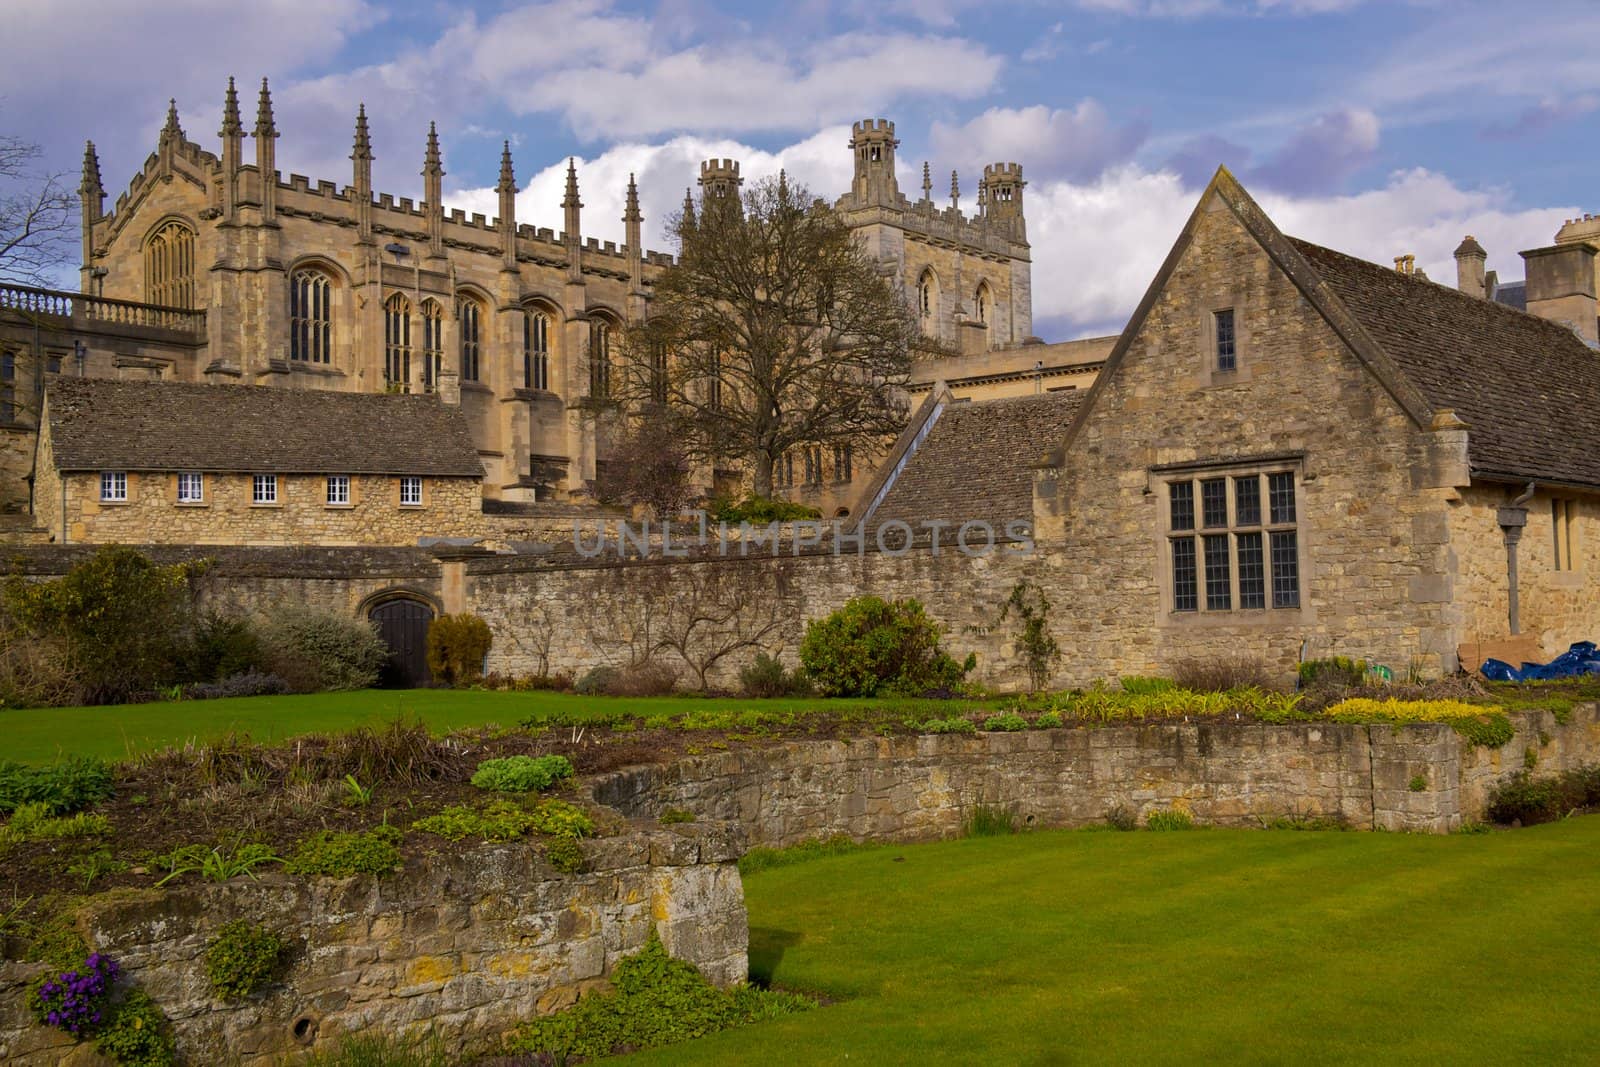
x=467 y=942
x=1421 y=777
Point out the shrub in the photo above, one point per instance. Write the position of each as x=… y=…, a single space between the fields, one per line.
x=1034 y=642
x=138 y=1035
x=987 y=821
x=955 y=724
x=1333 y=671
x=121 y=618
x=1527 y=800
x=220 y=646
x=646 y=679
x=242 y=959
x=1007 y=723
x=36 y=671
x=250 y=684
x=1120 y=817
x=1218 y=674
x=766 y=677
x=71 y=785
x=375 y=851
x=1172 y=819
x=457 y=645
x=596 y=681
x=521 y=774
x=318 y=651
x=1050 y=720
x=1487 y=727
x=655 y=1000
x=872 y=647
x=760 y=509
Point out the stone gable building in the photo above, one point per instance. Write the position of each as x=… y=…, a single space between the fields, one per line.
x=150 y=462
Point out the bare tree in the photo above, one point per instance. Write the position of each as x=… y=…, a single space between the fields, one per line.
x=774 y=329
x=649 y=466
x=37 y=212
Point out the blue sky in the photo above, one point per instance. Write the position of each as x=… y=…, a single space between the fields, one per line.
x=1375 y=126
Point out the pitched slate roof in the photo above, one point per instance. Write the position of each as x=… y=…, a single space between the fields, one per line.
x=1528 y=388
x=98 y=424
x=976 y=462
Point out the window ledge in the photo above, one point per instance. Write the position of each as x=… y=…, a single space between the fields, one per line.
x=193 y=503
x=266 y=507
x=112 y=503
x=339 y=507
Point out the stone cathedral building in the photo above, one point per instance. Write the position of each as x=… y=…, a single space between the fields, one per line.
x=212 y=267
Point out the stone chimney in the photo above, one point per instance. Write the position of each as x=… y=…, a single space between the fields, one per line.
x=1470 y=260
x=1561 y=287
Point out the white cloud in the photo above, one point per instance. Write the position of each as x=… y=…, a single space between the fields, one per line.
x=1097 y=246
x=1078 y=143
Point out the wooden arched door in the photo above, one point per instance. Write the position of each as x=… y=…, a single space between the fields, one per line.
x=403 y=625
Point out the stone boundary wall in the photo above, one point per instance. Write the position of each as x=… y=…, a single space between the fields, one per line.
x=1223 y=774
x=469 y=942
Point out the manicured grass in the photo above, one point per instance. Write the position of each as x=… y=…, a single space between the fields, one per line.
x=39 y=735
x=1211 y=946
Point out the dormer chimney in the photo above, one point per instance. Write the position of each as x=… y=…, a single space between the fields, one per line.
x=1470 y=259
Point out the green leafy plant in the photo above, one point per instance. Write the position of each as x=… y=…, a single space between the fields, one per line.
x=955 y=724
x=1418 y=783
x=316 y=651
x=381 y=1050
x=355 y=794
x=242 y=958
x=375 y=851
x=1147 y=686
x=1526 y=800
x=986 y=820
x=564 y=854
x=1171 y=819
x=218 y=863
x=94 y=865
x=1050 y=720
x=1333 y=671
x=457 y=645
x=673 y=816
x=1009 y=722
x=137 y=1034
x=760 y=509
x=33 y=822
x=1034 y=643
x=872 y=647
x=655 y=1000
x=521 y=774
x=71 y=785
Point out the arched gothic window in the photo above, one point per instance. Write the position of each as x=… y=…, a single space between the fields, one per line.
x=714 y=394
x=928 y=300
x=658 y=373
x=600 y=359
x=169 y=266
x=310 y=316
x=983 y=301
x=468 y=323
x=432 y=344
x=536 y=350
x=397 y=343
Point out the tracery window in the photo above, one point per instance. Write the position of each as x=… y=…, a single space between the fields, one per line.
x=310 y=317
x=600 y=360
x=169 y=266
x=432 y=344
x=397 y=343
x=468 y=323
x=536 y=350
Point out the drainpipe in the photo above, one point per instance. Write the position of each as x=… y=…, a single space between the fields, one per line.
x=1512 y=519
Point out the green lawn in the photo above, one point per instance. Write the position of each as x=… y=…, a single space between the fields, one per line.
x=1208 y=946
x=39 y=735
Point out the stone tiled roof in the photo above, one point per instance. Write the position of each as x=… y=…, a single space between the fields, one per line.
x=99 y=424
x=976 y=462
x=1528 y=388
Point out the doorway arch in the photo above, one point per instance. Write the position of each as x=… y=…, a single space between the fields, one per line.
x=402 y=621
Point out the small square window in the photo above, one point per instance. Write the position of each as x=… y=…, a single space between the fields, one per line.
x=114 y=486
x=410 y=491
x=191 y=487
x=264 y=489
x=338 y=490
x=1227 y=352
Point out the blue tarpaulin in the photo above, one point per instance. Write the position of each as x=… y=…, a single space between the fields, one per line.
x=1581 y=658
